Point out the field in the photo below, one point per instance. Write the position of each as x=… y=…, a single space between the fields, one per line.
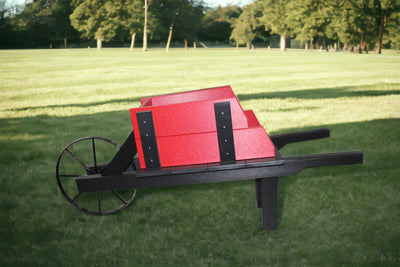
x=330 y=216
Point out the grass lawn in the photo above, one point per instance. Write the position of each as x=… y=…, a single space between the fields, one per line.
x=343 y=215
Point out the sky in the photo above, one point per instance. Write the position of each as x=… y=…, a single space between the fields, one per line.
x=211 y=3
x=215 y=3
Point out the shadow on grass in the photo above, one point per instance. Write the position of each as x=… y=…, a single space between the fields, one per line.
x=82 y=105
x=324 y=93
x=288 y=109
x=336 y=92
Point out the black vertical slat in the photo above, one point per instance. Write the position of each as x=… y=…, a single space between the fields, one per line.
x=258 y=193
x=226 y=144
x=269 y=203
x=149 y=141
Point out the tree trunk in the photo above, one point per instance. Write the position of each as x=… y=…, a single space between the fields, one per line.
x=65 y=43
x=186 y=45
x=203 y=44
x=133 y=41
x=99 y=44
x=169 y=39
x=383 y=18
x=283 y=42
x=306 y=46
x=248 y=45
x=145 y=27
x=194 y=45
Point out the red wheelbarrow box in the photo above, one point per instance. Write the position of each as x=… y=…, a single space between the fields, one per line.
x=186 y=129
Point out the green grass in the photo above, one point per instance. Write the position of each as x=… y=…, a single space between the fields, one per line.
x=346 y=215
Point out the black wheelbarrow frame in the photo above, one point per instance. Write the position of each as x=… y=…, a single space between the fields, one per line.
x=123 y=172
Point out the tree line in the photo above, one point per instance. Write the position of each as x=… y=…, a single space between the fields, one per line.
x=328 y=23
x=362 y=23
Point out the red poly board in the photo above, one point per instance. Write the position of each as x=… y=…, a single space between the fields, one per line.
x=186 y=133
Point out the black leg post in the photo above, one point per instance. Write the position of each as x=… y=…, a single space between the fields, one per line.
x=269 y=202
x=257 y=183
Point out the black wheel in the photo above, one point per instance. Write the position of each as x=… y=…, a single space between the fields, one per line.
x=87 y=156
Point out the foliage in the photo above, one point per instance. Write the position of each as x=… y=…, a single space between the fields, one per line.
x=311 y=19
x=185 y=15
x=245 y=27
x=390 y=16
x=132 y=17
x=41 y=23
x=45 y=22
x=217 y=22
x=350 y=22
x=276 y=16
x=97 y=19
x=393 y=35
x=103 y=19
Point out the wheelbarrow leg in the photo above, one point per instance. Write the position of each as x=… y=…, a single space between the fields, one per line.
x=258 y=192
x=267 y=200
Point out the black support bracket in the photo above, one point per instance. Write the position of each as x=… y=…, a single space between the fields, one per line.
x=149 y=141
x=223 y=118
x=123 y=159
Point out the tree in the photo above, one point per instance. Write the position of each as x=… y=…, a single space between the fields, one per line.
x=189 y=20
x=309 y=20
x=276 y=18
x=4 y=23
x=359 y=22
x=98 y=19
x=353 y=22
x=245 y=27
x=61 y=10
x=343 y=24
x=185 y=15
x=217 y=23
x=133 y=18
x=4 y=10
x=44 y=22
x=388 y=10
x=393 y=31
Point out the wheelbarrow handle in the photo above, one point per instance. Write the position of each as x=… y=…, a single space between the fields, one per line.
x=296 y=164
x=280 y=140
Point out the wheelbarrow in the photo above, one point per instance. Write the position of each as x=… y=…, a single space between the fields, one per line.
x=194 y=137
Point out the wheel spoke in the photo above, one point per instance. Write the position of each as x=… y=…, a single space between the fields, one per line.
x=119 y=196
x=73 y=200
x=77 y=159
x=98 y=200
x=94 y=155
